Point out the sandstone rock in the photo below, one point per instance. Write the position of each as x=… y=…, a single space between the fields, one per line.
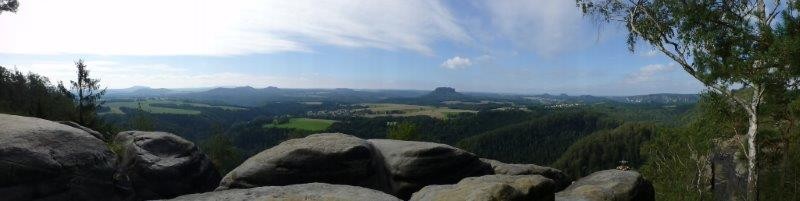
x=609 y=185
x=729 y=166
x=413 y=165
x=329 y=158
x=45 y=160
x=94 y=133
x=561 y=180
x=306 y=192
x=163 y=165
x=491 y=187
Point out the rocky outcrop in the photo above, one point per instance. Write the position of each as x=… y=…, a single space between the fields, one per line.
x=413 y=165
x=162 y=165
x=45 y=160
x=306 y=192
x=94 y=133
x=491 y=187
x=609 y=185
x=329 y=158
x=561 y=180
x=728 y=167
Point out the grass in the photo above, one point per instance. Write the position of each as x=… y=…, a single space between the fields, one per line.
x=146 y=106
x=304 y=124
x=391 y=109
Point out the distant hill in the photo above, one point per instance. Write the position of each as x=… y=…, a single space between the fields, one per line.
x=435 y=97
x=444 y=94
x=249 y=96
x=659 y=99
x=139 y=91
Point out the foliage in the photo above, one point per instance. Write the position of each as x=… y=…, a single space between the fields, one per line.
x=88 y=96
x=677 y=157
x=142 y=120
x=736 y=48
x=301 y=123
x=8 y=6
x=222 y=152
x=34 y=95
x=540 y=141
x=604 y=149
x=403 y=131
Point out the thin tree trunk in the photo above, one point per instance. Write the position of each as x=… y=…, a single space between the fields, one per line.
x=752 y=174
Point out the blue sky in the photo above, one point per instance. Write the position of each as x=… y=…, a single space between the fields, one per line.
x=517 y=46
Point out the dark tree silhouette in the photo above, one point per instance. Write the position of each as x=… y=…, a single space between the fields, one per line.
x=88 y=97
x=8 y=6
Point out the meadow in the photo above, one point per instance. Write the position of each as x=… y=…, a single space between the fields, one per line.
x=404 y=110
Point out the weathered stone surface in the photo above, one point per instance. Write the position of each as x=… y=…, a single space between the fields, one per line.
x=729 y=168
x=609 y=185
x=413 y=165
x=491 y=187
x=329 y=158
x=163 y=165
x=561 y=180
x=94 y=133
x=305 y=192
x=45 y=160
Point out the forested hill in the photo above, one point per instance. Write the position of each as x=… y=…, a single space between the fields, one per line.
x=253 y=97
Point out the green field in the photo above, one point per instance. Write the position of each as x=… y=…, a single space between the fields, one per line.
x=390 y=109
x=304 y=124
x=146 y=106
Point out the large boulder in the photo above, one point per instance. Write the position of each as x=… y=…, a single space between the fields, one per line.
x=490 y=188
x=609 y=185
x=561 y=180
x=306 y=192
x=94 y=133
x=163 y=165
x=413 y=165
x=328 y=158
x=45 y=160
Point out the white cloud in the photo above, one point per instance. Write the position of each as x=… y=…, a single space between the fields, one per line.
x=649 y=73
x=206 y=27
x=457 y=63
x=547 y=27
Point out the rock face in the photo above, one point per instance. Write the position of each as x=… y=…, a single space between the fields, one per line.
x=609 y=185
x=45 y=160
x=306 y=192
x=561 y=180
x=163 y=165
x=329 y=157
x=491 y=187
x=413 y=165
x=729 y=171
x=94 y=133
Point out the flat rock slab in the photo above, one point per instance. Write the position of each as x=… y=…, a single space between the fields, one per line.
x=163 y=165
x=305 y=192
x=413 y=165
x=328 y=158
x=609 y=185
x=491 y=188
x=46 y=160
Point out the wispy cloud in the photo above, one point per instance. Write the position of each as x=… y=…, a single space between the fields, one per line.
x=546 y=27
x=456 y=63
x=235 y=27
x=653 y=72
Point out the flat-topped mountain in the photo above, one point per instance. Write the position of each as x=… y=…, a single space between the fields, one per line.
x=445 y=94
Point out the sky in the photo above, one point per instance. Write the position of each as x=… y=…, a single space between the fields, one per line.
x=510 y=46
